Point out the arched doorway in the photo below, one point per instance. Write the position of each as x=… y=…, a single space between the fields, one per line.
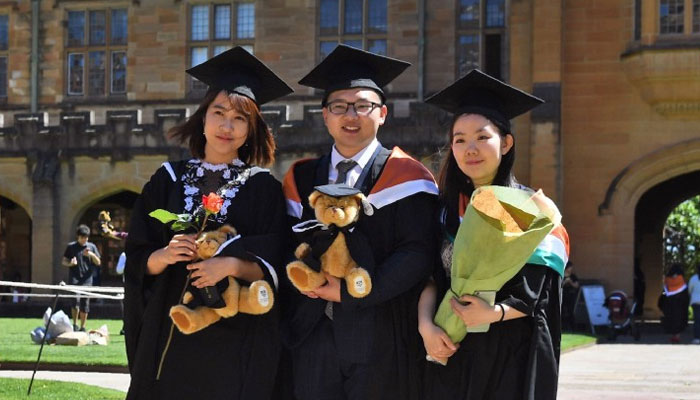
x=119 y=206
x=651 y=213
x=15 y=243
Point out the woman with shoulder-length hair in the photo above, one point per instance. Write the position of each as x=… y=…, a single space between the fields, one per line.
x=518 y=356
x=233 y=357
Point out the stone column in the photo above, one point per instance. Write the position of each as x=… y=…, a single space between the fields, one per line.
x=545 y=140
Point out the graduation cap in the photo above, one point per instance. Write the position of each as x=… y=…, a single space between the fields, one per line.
x=348 y=67
x=238 y=71
x=479 y=93
x=338 y=190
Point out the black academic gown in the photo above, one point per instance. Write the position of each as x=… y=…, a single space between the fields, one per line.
x=378 y=332
x=675 y=310
x=515 y=359
x=236 y=357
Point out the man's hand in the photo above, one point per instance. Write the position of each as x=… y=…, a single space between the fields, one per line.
x=330 y=291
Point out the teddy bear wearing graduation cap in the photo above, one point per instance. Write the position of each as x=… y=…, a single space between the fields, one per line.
x=330 y=244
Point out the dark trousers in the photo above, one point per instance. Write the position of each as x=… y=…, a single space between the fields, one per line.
x=696 y=322
x=320 y=375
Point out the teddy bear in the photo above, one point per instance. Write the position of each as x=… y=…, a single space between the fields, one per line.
x=106 y=227
x=337 y=209
x=194 y=315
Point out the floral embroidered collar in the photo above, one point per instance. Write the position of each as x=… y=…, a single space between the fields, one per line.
x=234 y=175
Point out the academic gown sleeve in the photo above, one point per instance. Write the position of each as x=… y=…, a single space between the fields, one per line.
x=412 y=259
x=264 y=233
x=536 y=292
x=146 y=235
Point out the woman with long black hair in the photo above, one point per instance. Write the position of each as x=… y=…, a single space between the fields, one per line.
x=518 y=357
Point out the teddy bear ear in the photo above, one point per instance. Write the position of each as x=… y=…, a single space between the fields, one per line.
x=313 y=197
x=366 y=206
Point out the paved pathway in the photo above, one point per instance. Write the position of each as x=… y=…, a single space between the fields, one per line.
x=623 y=370
x=111 y=381
x=631 y=371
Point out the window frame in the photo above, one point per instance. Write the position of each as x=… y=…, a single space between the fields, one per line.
x=5 y=54
x=482 y=31
x=86 y=49
x=365 y=35
x=689 y=24
x=193 y=89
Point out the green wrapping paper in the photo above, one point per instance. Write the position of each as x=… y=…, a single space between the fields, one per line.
x=485 y=257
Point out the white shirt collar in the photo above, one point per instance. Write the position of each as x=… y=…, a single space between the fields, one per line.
x=361 y=158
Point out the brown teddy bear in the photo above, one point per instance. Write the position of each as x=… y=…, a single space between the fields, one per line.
x=191 y=317
x=107 y=229
x=337 y=209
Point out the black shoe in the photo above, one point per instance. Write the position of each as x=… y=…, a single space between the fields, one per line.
x=81 y=329
x=76 y=328
x=121 y=332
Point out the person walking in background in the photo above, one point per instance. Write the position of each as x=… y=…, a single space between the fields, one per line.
x=81 y=257
x=570 y=288
x=674 y=302
x=694 y=291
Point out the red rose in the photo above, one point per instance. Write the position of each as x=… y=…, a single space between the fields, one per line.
x=212 y=203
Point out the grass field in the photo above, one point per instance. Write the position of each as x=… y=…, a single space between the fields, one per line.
x=16 y=389
x=17 y=346
x=573 y=340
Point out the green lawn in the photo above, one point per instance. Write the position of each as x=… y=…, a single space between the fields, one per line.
x=572 y=340
x=16 y=389
x=16 y=345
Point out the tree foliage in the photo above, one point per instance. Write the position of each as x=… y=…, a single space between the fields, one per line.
x=682 y=235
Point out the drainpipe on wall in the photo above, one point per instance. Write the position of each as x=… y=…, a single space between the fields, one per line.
x=34 y=73
x=421 y=50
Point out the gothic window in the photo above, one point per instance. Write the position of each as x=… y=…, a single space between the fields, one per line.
x=4 y=40
x=215 y=28
x=357 y=23
x=480 y=36
x=96 y=52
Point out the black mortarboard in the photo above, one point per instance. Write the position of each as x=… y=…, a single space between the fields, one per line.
x=479 y=93
x=337 y=190
x=238 y=71
x=341 y=190
x=348 y=67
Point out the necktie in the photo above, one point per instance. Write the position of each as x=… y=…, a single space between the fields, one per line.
x=343 y=167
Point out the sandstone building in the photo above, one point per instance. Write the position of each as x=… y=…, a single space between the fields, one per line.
x=88 y=89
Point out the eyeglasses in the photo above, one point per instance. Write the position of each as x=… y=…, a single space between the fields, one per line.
x=362 y=107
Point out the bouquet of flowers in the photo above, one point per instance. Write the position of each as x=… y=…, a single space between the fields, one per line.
x=500 y=232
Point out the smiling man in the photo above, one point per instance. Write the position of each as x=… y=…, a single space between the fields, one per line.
x=362 y=348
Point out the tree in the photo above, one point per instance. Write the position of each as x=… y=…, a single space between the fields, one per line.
x=682 y=235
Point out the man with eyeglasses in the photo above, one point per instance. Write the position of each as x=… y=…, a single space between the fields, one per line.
x=362 y=348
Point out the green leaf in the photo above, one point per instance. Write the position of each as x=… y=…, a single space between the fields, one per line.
x=180 y=226
x=163 y=216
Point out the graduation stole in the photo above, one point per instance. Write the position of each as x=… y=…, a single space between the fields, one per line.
x=401 y=177
x=552 y=252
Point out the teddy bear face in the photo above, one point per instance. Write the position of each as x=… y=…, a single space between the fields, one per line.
x=336 y=211
x=103 y=216
x=209 y=243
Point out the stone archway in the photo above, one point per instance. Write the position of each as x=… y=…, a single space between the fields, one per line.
x=638 y=202
x=15 y=242
x=119 y=206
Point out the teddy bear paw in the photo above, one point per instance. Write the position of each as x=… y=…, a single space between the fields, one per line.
x=358 y=282
x=259 y=298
